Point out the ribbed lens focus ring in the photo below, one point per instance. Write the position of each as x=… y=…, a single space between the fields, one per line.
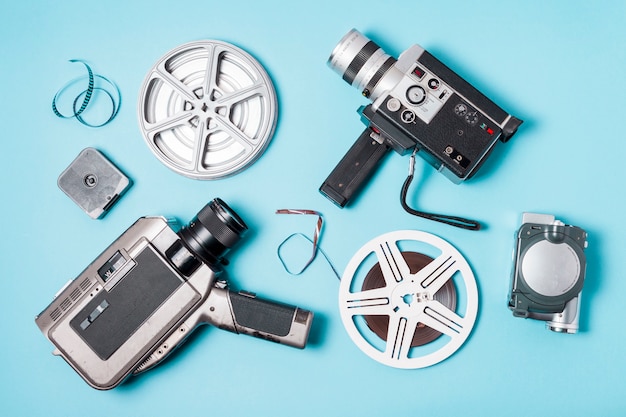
x=382 y=70
x=359 y=60
x=215 y=229
x=223 y=223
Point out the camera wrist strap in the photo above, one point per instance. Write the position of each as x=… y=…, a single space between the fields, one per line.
x=442 y=218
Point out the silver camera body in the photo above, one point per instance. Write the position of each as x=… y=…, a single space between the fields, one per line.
x=549 y=272
x=418 y=103
x=150 y=289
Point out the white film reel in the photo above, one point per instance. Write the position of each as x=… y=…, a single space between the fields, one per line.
x=207 y=109
x=400 y=306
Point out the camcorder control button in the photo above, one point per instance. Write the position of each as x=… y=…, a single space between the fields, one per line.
x=393 y=105
x=471 y=118
x=460 y=109
x=408 y=116
x=433 y=83
x=415 y=94
x=419 y=72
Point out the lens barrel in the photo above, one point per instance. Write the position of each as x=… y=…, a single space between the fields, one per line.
x=213 y=231
x=360 y=62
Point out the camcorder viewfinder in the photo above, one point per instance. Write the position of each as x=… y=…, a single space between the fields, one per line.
x=418 y=104
x=150 y=289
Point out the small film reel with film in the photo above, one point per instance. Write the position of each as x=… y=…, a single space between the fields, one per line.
x=207 y=109
x=93 y=182
x=408 y=299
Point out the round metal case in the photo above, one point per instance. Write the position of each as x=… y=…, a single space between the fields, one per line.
x=207 y=109
x=551 y=267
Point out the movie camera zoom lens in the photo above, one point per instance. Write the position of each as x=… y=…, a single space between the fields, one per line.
x=215 y=229
x=360 y=62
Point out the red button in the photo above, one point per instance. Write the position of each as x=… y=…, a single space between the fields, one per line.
x=419 y=72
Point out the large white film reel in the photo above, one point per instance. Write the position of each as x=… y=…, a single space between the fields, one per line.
x=409 y=302
x=207 y=109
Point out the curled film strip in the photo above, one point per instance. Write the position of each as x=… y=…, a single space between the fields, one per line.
x=314 y=242
x=85 y=95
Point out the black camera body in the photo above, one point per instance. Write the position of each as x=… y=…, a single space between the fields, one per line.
x=418 y=103
x=150 y=289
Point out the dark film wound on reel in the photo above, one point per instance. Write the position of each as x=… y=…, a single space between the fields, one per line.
x=380 y=324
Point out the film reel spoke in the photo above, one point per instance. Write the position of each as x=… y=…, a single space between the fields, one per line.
x=220 y=125
x=173 y=82
x=169 y=122
x=212 y=68
x=399 y=337
x=441 y=318
x=437 y=273
x=225 y=125
x=245 y=94
x=370 y=302
x=394 y=267
x=201 y=139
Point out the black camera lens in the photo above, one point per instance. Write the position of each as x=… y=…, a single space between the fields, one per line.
x=215 y=229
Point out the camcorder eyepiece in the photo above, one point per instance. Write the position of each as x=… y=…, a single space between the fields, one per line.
x=150 y=289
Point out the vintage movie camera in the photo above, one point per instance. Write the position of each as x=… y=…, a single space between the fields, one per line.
x=418 y=104
x=549 y=272
x=150 y=289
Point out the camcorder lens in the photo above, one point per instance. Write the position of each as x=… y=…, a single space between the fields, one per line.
x=360 y=61
x=215 y=229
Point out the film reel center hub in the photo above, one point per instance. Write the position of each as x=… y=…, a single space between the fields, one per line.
x=207 y=109
x=396 y=304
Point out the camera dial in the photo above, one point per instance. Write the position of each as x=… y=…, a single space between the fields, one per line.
x=416 y=95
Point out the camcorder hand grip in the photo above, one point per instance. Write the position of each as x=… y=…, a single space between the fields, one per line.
x=265 y=319
x=239 y=312
x=354 y=169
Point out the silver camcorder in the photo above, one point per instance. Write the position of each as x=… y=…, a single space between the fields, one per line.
x=549 y=272
x=418 y=103
x=150 y=289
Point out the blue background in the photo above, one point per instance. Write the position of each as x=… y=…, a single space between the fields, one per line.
x=557 y=65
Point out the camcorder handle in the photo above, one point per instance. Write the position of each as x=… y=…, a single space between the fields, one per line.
x=356 y=166
x=239 y=312
x=244 y=312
